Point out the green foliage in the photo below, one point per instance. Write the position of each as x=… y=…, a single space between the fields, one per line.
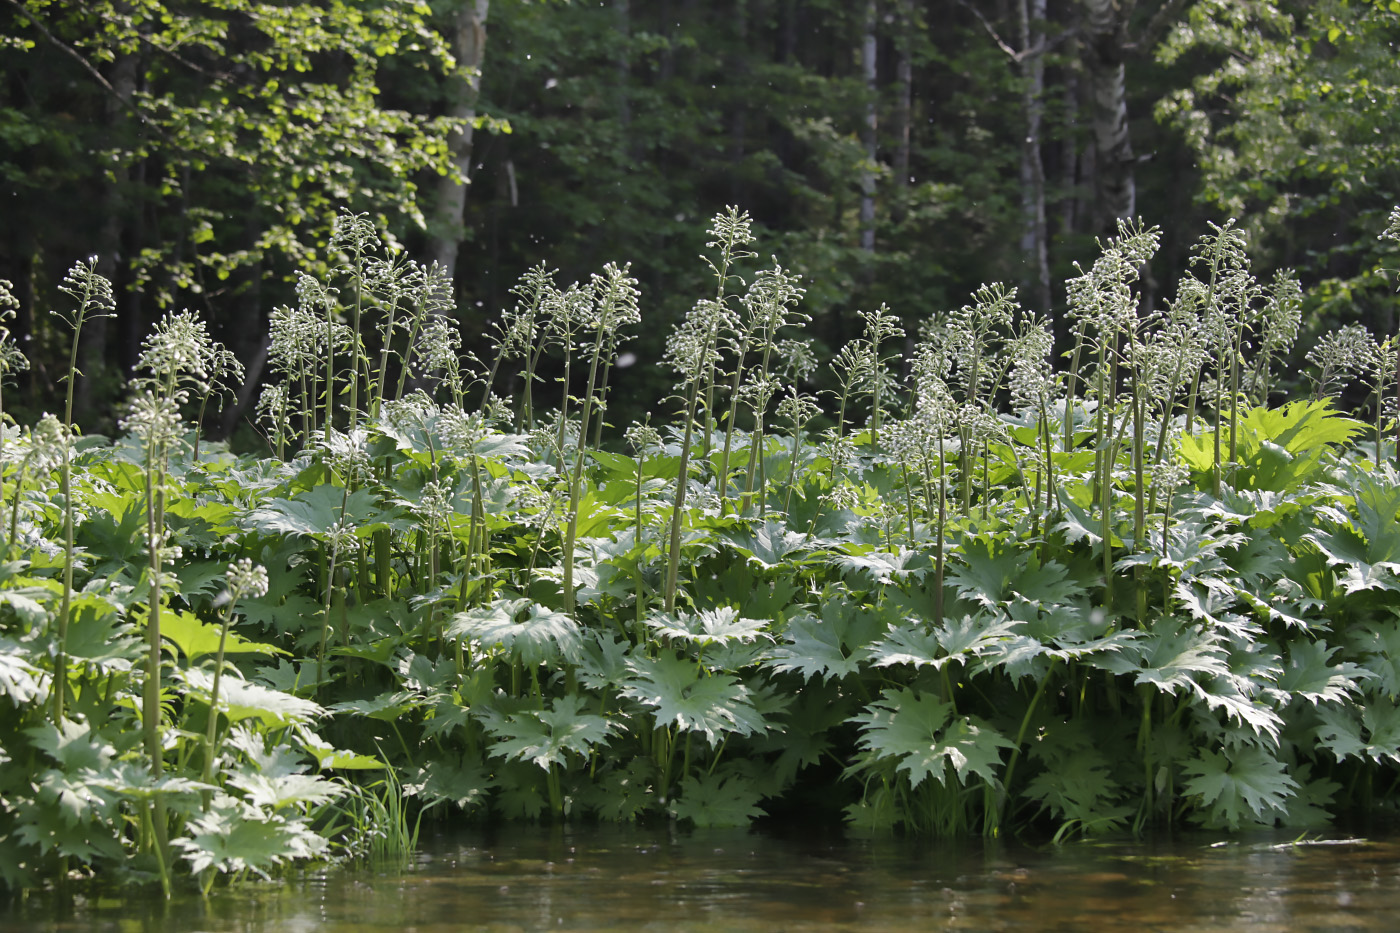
x=426 y=614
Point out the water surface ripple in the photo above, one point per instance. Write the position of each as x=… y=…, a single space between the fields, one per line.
x=622 y=879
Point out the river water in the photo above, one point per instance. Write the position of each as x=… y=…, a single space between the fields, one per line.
x=627 y=879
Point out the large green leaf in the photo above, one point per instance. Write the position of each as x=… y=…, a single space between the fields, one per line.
x=20 y=680
x=1311 y=674
x=883 y=567
x=1278 y=449
x=717 y=800
x=314 y=512
x=921 y=734
x=196 y=638
x=1173 y=655
x=1239 y=785
x=522 y=628
x=240 y=699
x=73 y=745
x=709 y=627
x=970 y=637
x=832 y=646
x=769 y=545
x=683 y=694
x=228 y=840
x=544 y=736
x=276 y=791
x=1076 y=784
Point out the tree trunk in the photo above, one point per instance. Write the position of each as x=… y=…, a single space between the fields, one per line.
x=904 y=103
x=1070 y=173
x=93 y=358
x=738 y=120
x=623 y=10
x=1034 y=250
x=868 y=128
x=1104 y=52
x=468 y=40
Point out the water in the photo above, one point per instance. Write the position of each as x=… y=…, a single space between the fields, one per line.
x=605 y=878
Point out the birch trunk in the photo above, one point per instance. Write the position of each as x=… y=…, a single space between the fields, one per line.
x=468 y=41
x=1034 y=249
x=1104 y=52
x=868 y=128
x=904 y=103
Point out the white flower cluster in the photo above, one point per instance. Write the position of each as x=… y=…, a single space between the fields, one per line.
x=246 y=580
x=1340 y=356
x=347 y=453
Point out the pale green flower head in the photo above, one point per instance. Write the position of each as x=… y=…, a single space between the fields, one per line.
x=246 y=579
x=797 y=359
x=758 y=390
x=155 y=419
x=642 y=437
x=314 y=295
x=92 y=291
x=772 y=299
x=1283 y=314
x=342 y=539
x=439 y=345
x=881 y=325
x=354 y=233
x=273 y=410
x=1392 y=232
x=520 y=325
x=179 y=347
x=730 y=229
x=347 y=454
x=462 y=431
x=12 y=359
x=692 y=348
x=797 y=408
x=42 y=447
x=617 y=297
x=294 y=335
x=1167 y=475
x=435 y=503
x=1340 y=356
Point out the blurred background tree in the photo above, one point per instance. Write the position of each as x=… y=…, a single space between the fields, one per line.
x=899 y=151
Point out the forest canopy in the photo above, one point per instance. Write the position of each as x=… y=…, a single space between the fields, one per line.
x=890 y=151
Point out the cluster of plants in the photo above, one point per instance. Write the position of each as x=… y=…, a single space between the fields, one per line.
x=968 y=592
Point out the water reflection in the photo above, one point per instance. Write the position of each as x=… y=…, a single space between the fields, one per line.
x=607 y=878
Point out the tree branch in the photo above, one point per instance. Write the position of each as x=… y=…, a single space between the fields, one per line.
x=85 y=64
x=1043 y=44
x=1014 y=55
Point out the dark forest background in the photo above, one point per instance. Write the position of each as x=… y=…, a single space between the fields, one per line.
x=896 y=151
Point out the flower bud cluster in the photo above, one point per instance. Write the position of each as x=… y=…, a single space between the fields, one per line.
x=246 y=580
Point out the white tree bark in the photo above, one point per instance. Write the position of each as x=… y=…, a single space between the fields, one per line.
x=1105 y=48
x=468 y=40
x=1035 y=250
x=868 y=129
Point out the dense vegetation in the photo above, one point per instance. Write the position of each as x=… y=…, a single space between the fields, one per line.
x=983 y=594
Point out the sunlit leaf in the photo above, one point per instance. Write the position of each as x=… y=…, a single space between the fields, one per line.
x=681 y=693
x=21 y=681
x=522 y=628
x=196 y=638
x=542 y=737
x=1311 y=675
x=924 y=738
x=239 y=699
x=709 y=627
